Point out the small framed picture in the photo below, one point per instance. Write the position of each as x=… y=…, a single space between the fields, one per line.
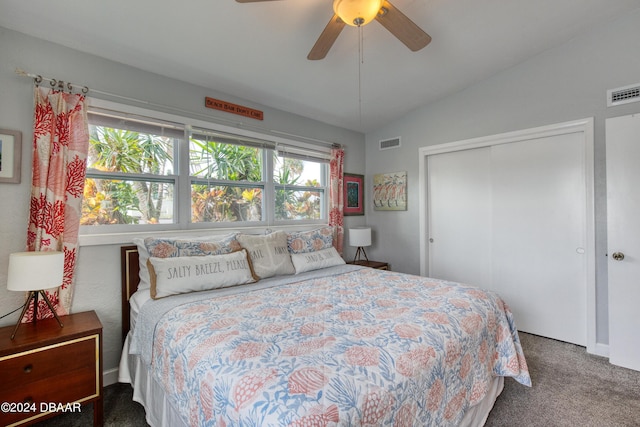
x=353 y=194
x=10 y=156
x=390 y=191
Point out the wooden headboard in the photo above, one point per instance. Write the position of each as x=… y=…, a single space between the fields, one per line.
x=130 y=280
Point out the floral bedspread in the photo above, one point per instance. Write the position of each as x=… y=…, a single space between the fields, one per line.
x=364 y=348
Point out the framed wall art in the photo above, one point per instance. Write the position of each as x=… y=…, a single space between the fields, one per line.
x=353 y=194
x=390 y=191
x=10 y=156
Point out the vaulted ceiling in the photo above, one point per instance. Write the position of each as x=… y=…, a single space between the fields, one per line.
x=257 y=51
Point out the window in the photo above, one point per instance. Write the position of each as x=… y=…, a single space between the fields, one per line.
x=227 y=178
x=145 y=173
x=130 y=171
x=298 y=188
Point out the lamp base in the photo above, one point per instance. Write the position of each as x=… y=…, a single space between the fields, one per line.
x=359 y=252
x=33 y=295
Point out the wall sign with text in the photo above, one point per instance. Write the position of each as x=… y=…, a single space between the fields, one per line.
x=240 y=110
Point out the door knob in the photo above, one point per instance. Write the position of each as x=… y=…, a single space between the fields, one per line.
x=618 y=256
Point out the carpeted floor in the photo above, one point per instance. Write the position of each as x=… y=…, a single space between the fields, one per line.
x=570 y=388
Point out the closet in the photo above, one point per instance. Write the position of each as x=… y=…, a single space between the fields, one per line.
x=513 y=213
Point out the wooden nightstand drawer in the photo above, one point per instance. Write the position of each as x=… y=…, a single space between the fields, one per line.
x=37 y=365
x=65 y=389
x=68 y=388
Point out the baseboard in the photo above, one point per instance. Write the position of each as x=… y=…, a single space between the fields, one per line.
x=109 y=377
x=601 y=350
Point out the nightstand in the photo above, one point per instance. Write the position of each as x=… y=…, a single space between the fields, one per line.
x=372 y=264
x=47 y=370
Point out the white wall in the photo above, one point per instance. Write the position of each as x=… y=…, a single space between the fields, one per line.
x=98 y=271
x=562 y=84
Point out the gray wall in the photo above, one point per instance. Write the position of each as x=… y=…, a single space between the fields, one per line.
x=98 y=271
x=561 y=84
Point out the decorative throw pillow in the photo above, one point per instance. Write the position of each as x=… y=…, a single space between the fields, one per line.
x=315 y=260
x=179 y=275
x=269 y=253
x=143 y=253
x=211 y=245
x=310 y=241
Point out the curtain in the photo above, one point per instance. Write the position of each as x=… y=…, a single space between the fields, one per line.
x=336 y=196
x=60 y=145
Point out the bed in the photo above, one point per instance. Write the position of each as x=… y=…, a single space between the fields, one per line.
x=330 y=344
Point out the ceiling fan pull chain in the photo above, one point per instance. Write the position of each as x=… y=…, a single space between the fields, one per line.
x=361 y=46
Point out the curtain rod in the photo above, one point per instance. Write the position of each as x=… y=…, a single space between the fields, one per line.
x=69 y=86
x=59 y=84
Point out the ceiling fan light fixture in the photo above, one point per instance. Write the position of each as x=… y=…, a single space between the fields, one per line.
x=357 y=12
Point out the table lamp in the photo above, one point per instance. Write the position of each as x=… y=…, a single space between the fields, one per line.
x=360 y=237
x=34 y=272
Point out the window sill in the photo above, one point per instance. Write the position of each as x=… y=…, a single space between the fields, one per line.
x=127 y=237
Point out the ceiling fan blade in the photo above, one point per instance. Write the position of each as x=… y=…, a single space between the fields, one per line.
x=402 y=27
x=327 y=38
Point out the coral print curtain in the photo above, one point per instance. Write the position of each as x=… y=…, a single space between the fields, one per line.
x=60 y=144
x=336 y=196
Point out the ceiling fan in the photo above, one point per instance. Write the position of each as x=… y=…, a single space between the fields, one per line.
x=360 y=12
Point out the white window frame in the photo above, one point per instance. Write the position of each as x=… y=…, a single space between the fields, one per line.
x=102 y=234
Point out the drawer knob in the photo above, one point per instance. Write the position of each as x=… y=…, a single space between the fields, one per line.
x=27 y=369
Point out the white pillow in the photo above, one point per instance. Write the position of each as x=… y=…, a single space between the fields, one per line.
x=143 y=255
x=315 y=260
x=143 y=252
x=179 y=275
x=269 y=253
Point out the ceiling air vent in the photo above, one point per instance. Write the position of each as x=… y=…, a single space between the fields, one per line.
x=387 y=144
x=623 y=95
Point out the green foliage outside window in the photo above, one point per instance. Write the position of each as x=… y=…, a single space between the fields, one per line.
x=212 y=162
x=113 y=201
x=136 y=178
x=291 y=202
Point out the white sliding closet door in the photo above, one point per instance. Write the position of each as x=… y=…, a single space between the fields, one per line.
x=539 y=266
x=460 y=215
x=511 y=217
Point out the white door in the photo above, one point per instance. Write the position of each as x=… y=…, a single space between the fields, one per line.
x=623 y=229
x=511 y=217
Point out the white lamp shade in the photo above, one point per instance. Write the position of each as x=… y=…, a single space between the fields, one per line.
x=33 y=271
x=360 y=236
